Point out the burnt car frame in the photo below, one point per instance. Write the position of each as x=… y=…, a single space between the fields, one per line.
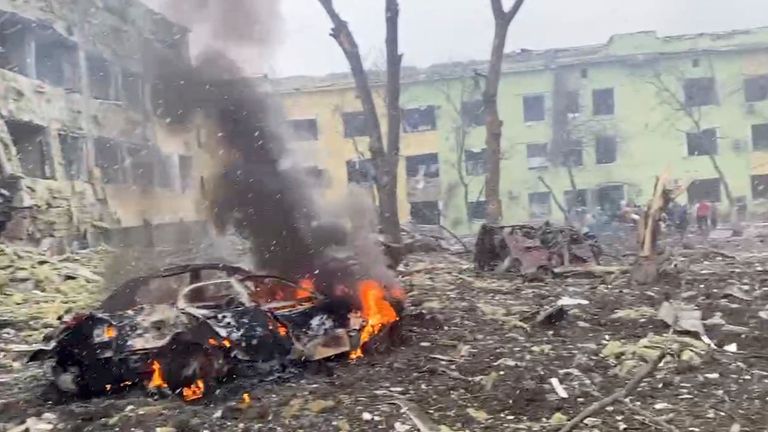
x=222 y=316
x=532 y=250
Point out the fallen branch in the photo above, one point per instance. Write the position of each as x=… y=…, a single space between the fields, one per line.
x=455 y=237
x=554 y=198
x=647 y=415
x=619 y=395
x=419 y=417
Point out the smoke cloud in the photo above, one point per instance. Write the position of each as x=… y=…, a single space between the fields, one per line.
x=267 y=201
x=246 y=30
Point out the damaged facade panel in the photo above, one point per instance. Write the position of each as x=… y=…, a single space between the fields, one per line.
x=73 y=89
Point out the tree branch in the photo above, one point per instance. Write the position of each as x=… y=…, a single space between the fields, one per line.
x=619 y=395
x=385 y=164
x=512 y=13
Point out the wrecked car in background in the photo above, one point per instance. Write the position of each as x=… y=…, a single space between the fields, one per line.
x=222 y=317
x=533 y=250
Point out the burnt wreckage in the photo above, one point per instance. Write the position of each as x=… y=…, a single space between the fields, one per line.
x=224 y=317
x=533 y=250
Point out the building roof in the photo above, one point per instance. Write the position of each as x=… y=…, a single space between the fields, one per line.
x=639 y=45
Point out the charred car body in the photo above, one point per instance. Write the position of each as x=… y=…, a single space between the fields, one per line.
x=222 y=316
x=533 y=250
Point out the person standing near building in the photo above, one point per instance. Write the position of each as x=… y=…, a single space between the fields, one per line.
x=680 y=219
x=713 y=216
x=703 y=211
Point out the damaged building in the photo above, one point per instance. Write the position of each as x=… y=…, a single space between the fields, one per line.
x=585 y=126
x=84 y=156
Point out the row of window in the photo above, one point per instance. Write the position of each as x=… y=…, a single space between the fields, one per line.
x=538 y=156
x=607 y=198
x=141 y=165
x=414 y=120
x=705 y=142
x=119 y=162
x=697 y=92
x=38 y=51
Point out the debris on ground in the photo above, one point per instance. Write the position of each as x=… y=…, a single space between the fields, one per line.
x=474 y=358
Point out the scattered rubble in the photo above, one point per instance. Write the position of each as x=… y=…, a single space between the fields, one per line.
x=36 y=289
x=489 y=366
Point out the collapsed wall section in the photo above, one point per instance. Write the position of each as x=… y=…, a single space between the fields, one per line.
x=83 y=156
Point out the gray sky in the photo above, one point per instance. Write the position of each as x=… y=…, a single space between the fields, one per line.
x=434 y=31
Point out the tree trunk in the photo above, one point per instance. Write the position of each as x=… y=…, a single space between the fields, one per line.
x=724 y=181
x=390 y=219
x=493 y=125
x=384 y=162
x=461 y=141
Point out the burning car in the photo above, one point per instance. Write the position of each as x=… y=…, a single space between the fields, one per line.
x=222 y=317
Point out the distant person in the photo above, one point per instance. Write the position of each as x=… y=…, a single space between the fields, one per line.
x=713 y=216
x=680 y=220
x=703 y=212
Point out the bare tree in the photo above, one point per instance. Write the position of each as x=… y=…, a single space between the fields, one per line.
x=669 y=96
x=573 y=134
x=493 y=124
x=385 y=159
x=460 y=129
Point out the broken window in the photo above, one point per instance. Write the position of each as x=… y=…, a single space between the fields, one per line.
x=760 y=137
x=17 y=43
x=704 y=189
x=425 y=213
x=760 y=186
x=475 y=162
x=186 y=180
x=355 y=124
x=537 y=156
x=539 y=205
x=695 y=63
x=584 y=73
x=609 y=198
x=602 y=102
x=573 y=157
x=361 y=172
x=473 y=113
x=164 y=167
x=702 y=143
x=302 y=129
x=419 y=119
x=56 y=61
x=572 y=105
x=605 y=150
x=477 y=210
x=133 y=90
x=533 y=108
x=100 y=78
x=700 y=92
x=426 y=165
x=73 y=153
x=142 y=163
x=32 y=148
x=756 y=88
x=109 y=160
x=575 y=198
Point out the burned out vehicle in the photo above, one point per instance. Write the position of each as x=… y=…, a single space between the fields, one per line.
x=528 y=249
x=222 y=317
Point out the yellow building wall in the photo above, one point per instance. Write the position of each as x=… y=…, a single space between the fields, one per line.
x=332 y=150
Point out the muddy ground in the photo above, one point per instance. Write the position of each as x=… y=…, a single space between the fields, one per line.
x=475 y=360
